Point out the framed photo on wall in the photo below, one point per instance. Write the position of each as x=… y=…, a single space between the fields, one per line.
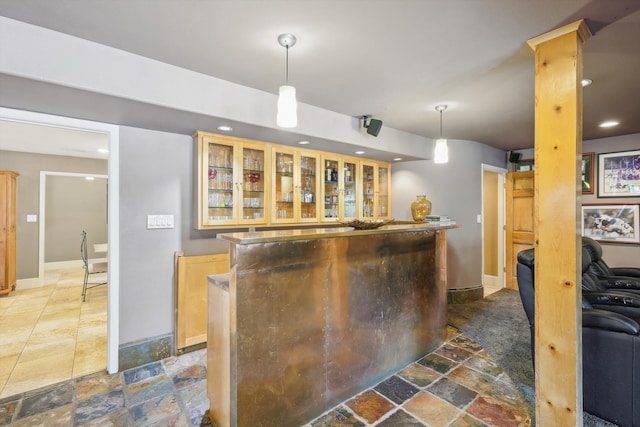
x=619 y=174
x=611 y=223
x=588 y=166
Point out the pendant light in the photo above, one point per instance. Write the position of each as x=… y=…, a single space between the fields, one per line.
x=287 y=116
x=441 y=152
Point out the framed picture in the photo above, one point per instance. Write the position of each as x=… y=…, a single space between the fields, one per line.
x=588 y=186
x=611 y=223
x=524 y=165
x=619 y=174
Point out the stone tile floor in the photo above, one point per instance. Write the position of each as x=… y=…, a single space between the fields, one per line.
x=456 y=385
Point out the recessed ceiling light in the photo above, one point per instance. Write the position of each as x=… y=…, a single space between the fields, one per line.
x=89 y=178
x=304 y=142
x=102 y=150
x=359 y=152
x=609 y=124
x=586 y=82
x=397 y=159
x=225 y=128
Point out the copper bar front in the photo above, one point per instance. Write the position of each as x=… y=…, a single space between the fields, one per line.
x=315 y=321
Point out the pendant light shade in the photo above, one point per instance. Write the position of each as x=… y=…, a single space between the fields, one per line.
x=287 y=107
x=441 y=151
x=287 y=116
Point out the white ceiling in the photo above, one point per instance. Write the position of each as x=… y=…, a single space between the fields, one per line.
x=43 y=139
x=392 y=59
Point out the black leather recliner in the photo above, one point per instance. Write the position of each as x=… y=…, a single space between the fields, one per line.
x=610 y=351
x=627 y=278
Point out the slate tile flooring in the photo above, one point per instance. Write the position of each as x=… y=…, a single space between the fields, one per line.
x=457 y=385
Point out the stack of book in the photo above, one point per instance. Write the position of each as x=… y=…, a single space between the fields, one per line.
x=440 y=219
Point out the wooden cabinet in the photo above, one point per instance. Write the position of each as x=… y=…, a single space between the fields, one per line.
x=232 y=181
x=191 y=296
x=376 y=182
x=340 y=190
x=7 y=231
x=296 y=181
x=241 y=182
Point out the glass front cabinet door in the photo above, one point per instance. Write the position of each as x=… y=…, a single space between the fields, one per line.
x=340 y=189
x=296 y=182
x=232 y=182
x=375 y=191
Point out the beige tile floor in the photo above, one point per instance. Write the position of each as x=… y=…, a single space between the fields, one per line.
x=490 y=289
x=48 y=334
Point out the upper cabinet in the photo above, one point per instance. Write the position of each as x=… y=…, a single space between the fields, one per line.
x=340 y=189
x=376 y=181
x=247 y=183
x=232 y=185
x=296 y=183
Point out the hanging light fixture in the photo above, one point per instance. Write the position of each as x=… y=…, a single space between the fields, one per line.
x=441 y=152
x=287 y=105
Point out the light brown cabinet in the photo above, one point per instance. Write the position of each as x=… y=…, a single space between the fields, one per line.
x=341 y=190
x=191 y=296
x=376 y=182
x=8 y=190
x=296 y=184
x=232 y=181
x=248 y=183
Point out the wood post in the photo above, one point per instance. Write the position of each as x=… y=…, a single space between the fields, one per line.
x=558 y=150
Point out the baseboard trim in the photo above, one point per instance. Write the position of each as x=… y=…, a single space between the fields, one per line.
x=465 y=295
x=145 y=351
x=63 y=265
x=31 y=283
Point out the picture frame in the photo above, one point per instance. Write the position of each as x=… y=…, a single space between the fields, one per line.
x=525 y=165
x=588 y=166
x=619 y=174
x=615 y=223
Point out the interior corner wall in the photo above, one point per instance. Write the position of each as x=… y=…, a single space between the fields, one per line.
x=455 y=189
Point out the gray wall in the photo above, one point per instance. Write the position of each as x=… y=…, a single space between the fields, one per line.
x=29 y=166
x=156 y=176
x=616 y=255
x=455 y=189
x=74 y=204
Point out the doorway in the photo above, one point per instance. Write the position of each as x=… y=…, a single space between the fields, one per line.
x=493 y=217
x=112 y=133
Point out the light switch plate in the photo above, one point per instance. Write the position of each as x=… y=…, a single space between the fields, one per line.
x=159 y=221
x=32 y=218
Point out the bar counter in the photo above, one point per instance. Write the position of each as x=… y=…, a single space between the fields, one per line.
x=307 y=318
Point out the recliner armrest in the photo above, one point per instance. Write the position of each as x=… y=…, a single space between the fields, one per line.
x=620 y=282
x=626 y=271
x=607 y=320
x=612 y=297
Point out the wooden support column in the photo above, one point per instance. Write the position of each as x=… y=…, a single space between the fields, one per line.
x=558 y=150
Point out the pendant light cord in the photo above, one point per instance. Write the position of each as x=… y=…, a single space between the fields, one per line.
x=287 y=72
x=440 y=124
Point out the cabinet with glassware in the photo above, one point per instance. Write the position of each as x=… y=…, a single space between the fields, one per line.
x=232 y=183
x=376 y=181
x=247 y=183
x=296 y=181
x=341 y=192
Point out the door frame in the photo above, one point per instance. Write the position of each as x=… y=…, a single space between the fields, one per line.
x=113 y=200
x=501 y=172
